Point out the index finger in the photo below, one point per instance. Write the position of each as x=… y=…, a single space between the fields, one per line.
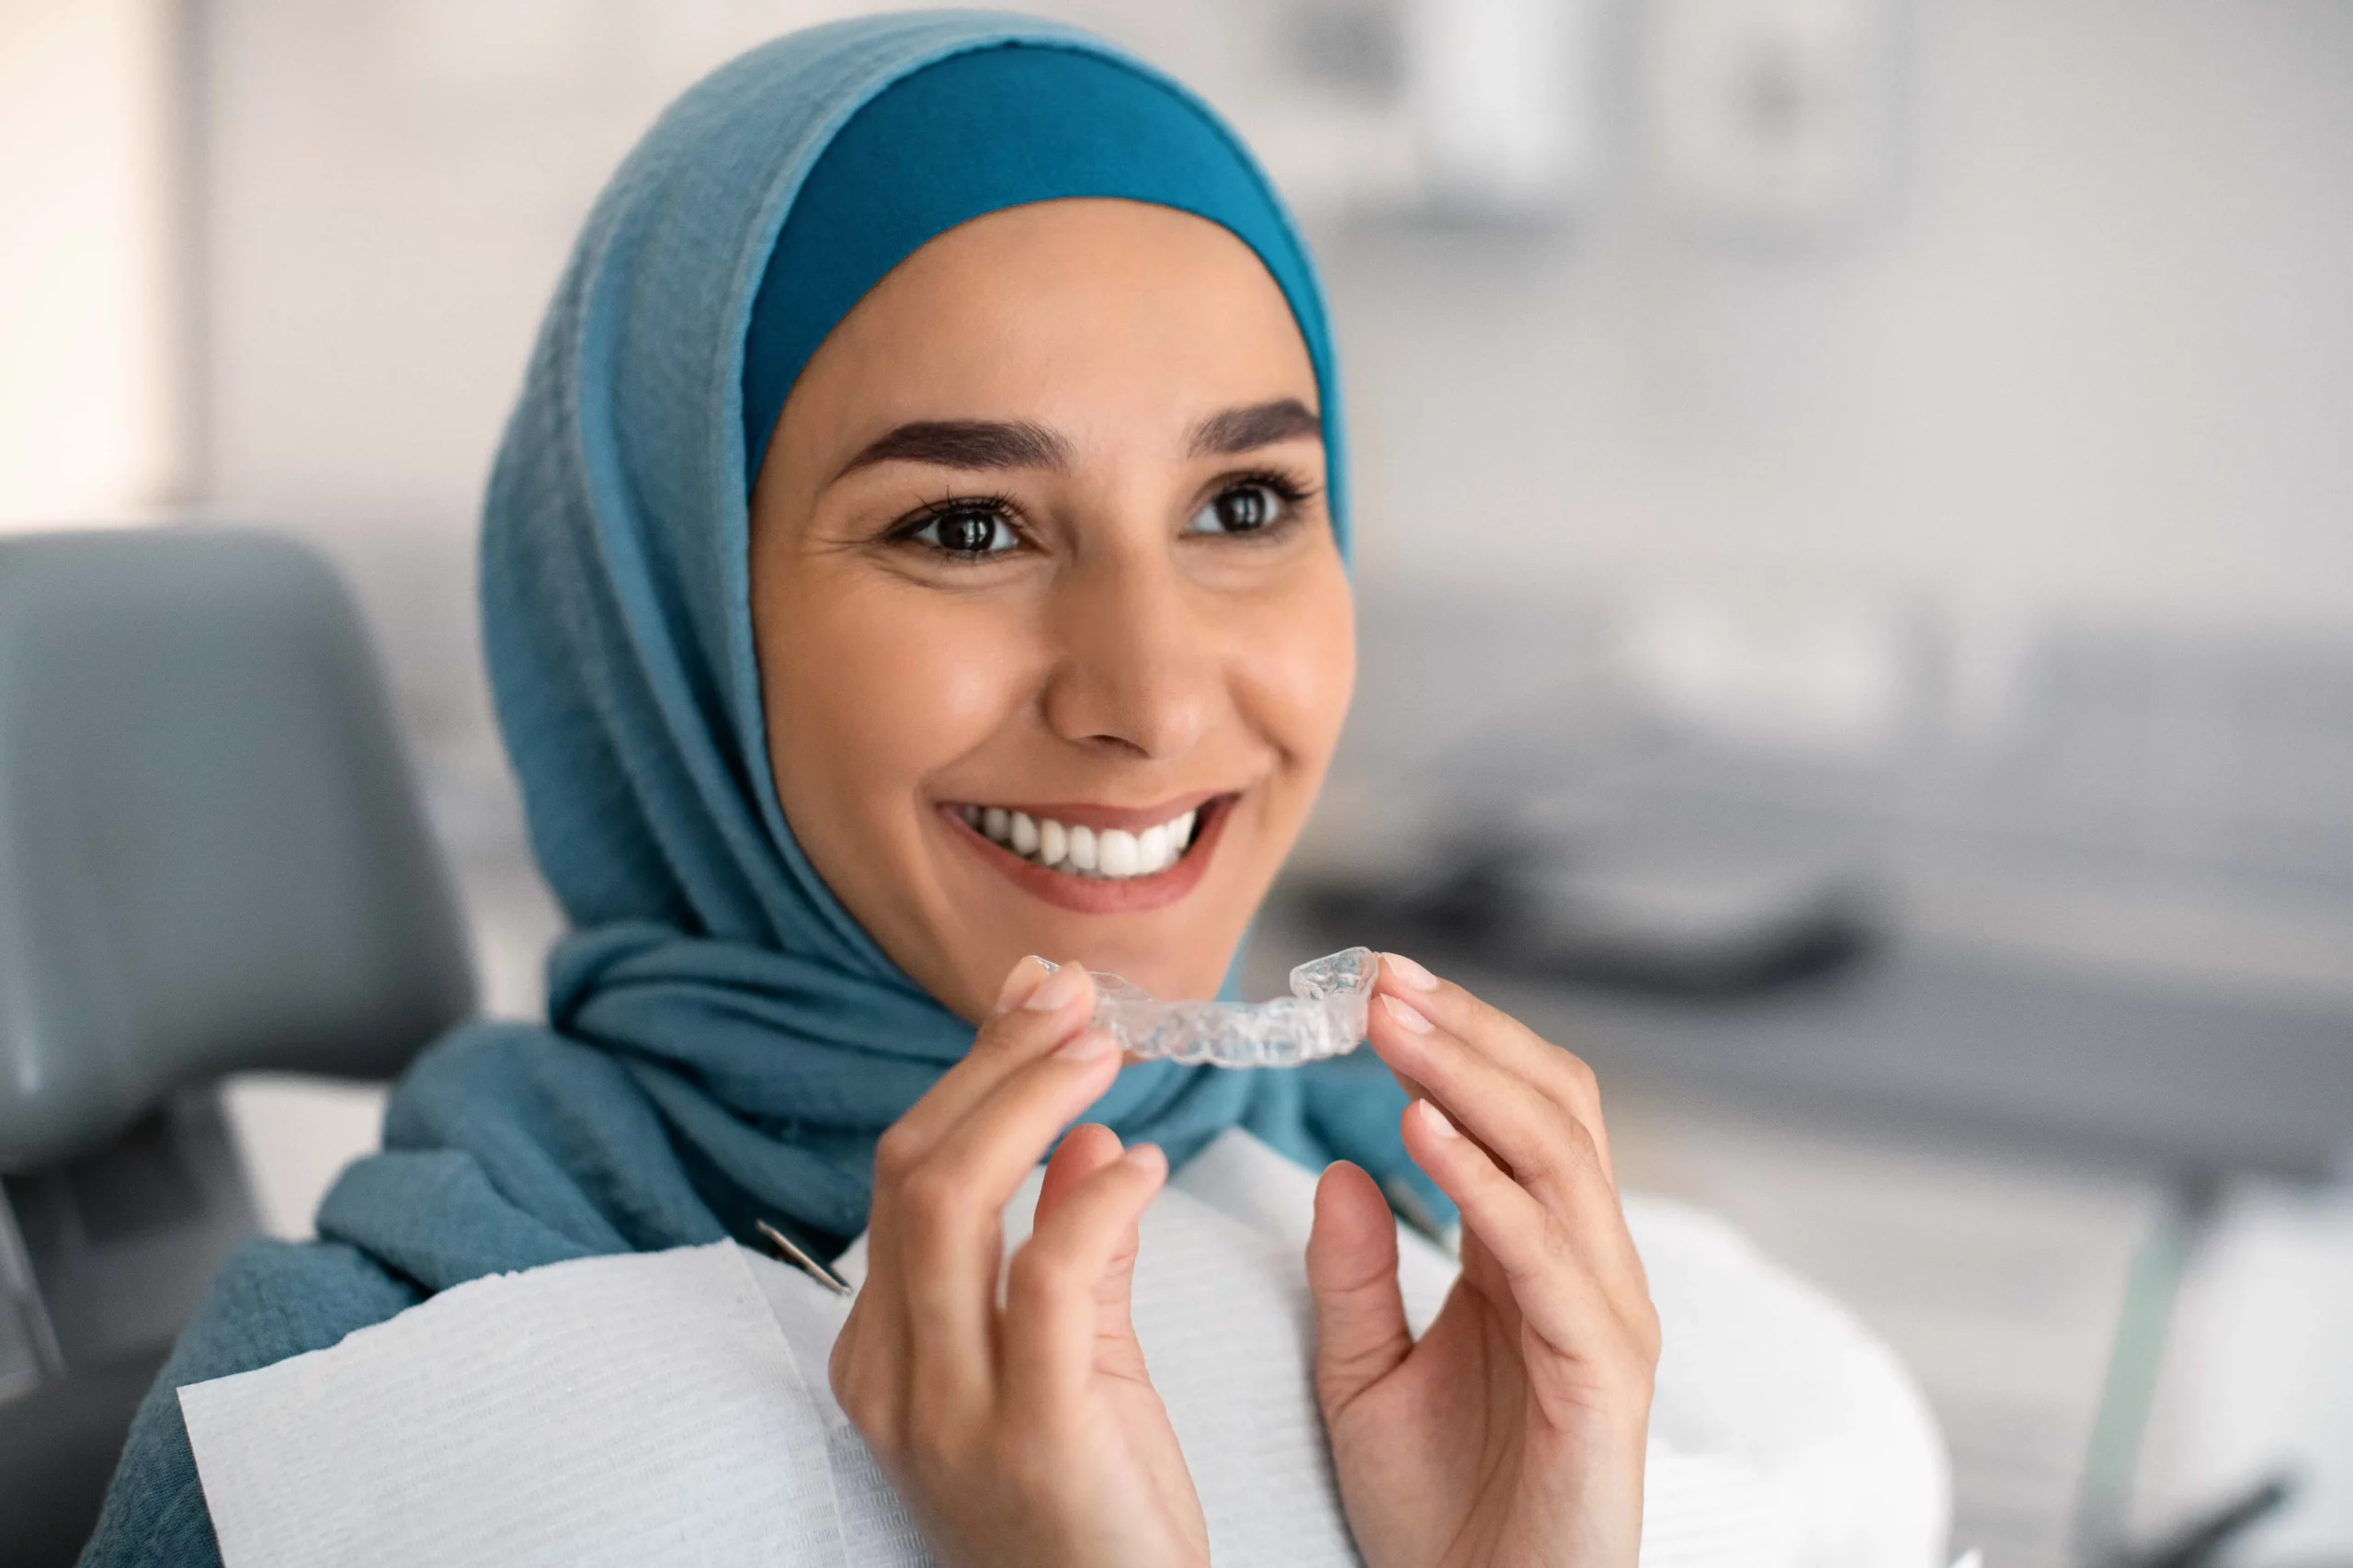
x=1038 y=1008
x=1560 y=1075
x=942 y=1222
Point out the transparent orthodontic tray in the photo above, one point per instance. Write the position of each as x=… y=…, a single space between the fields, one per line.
x=1324 y=1015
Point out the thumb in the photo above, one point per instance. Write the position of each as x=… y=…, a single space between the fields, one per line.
x=1084 y=1149
x=1360 y=1334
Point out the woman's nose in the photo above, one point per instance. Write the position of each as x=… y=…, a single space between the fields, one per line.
x=1134 y=668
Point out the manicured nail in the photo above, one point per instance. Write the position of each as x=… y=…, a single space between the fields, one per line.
x=1435 y=1120
x=1404 y=1012
x=1409 y=971
x=1056 y=990
x=1026 y=977
x=1087 y=1045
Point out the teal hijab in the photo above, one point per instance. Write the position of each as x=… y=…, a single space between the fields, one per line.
x=725 y=1042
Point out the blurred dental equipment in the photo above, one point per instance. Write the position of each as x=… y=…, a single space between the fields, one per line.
x=1673 y=924
x=1502 y=95
x=1771 y=116
x=2250 y=1429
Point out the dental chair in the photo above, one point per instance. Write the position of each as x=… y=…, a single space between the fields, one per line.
x=212 y=858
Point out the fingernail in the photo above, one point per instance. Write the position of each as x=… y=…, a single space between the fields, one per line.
x=1404 y=1012
x=1024 y=978
x=1437 y=1122
x=1146 y=1156
x=1056 y=990
x=1087 y=1045
x=1409 y=971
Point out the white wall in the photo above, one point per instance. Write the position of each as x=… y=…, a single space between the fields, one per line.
x=91 y=335
x=2098 y=357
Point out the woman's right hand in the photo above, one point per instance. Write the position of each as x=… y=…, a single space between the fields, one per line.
x=1026 y=1433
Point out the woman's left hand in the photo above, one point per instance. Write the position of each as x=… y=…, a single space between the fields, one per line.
x=1512 y=1433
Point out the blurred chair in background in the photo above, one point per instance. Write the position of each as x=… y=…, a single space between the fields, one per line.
x=212 y=858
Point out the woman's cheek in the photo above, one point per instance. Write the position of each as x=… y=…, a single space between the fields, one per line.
x=1297 y=670
x=922 y=678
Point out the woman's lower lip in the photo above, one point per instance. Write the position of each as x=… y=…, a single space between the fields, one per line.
x=1104 y=895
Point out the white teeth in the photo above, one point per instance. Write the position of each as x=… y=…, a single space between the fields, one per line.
x=1111 y=853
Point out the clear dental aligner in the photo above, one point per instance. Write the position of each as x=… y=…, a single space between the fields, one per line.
x=1324 y=1015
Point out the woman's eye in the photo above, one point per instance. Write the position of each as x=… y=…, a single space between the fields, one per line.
x=1238 y=510
x=967 y=530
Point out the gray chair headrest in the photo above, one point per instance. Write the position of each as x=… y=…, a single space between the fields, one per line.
x=211 y=852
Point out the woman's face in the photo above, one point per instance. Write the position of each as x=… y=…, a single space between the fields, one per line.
x=1054 y=635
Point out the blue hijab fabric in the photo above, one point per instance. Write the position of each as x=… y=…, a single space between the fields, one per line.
x=996 y=128
x=725 y=1041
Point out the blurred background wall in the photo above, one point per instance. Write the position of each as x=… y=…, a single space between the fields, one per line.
x=96 y=308
x=2088 y=349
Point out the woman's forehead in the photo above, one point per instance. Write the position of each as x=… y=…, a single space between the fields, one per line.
x=1072 y=314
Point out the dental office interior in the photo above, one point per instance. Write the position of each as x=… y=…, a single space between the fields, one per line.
x=1854 y=579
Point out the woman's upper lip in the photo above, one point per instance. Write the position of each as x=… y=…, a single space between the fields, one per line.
x=1076 y=813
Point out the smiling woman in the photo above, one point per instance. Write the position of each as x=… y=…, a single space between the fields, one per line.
x=918 y=554
x=1053 y=631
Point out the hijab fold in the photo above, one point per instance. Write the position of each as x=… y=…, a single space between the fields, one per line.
x=725 y=1042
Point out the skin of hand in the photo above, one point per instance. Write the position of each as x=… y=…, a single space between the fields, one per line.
x=1512 y=1433
x=1027 y=1433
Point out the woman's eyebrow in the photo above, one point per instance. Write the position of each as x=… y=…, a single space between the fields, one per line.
x=966 y=443
x=1254 y=426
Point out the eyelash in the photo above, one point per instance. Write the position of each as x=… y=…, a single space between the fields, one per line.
x=999 y=507
x=1292 y=491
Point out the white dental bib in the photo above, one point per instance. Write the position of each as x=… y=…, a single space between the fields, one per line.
x=672 y=1408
